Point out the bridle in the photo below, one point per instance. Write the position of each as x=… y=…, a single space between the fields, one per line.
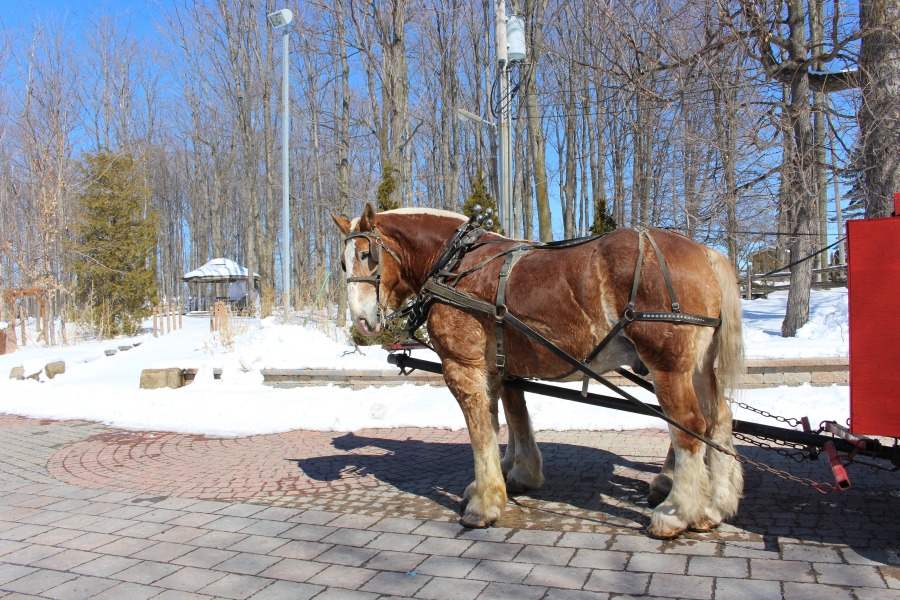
x=376 y=244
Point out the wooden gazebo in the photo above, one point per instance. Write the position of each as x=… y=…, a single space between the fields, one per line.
x=217 y=273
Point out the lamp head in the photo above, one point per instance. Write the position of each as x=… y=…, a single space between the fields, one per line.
x=281 y=18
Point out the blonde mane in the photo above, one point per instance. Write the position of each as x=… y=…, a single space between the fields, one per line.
x=416 y=210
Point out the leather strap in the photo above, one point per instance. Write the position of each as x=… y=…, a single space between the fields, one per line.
x=512 y=257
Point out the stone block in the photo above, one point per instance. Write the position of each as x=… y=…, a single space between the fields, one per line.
x=110 y=352
x=125 y=348
x=773 y=378
x=7 y=341
x=55 y=368
x=17 y=373
x=830 y=377
x=797 y=378
x=152 y=379
x=752 y=380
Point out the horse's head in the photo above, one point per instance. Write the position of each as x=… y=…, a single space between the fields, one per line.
x=373 y=272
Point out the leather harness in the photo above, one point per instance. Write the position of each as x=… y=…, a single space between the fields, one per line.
x=440 y=285
x=436 y=289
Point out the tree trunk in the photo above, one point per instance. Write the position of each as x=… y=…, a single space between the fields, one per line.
x=879 y=115
x=343 y=152
x=803 y=184
x=534 y=15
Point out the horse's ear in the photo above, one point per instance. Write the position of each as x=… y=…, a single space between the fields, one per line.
x=367 y=221
x=342 y=223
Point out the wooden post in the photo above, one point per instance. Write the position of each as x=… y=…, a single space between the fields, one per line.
x=22 y=320
x=155 y=322
x=215 y=316
x=10 y=303
x=180 y=316
x=749 y=280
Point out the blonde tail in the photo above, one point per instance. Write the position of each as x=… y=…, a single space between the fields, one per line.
x=729 y=339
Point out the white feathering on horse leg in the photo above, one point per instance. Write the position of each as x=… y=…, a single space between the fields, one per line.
x=725 y=472
x=689 y=500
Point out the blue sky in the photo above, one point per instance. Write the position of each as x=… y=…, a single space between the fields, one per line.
x=14 y=13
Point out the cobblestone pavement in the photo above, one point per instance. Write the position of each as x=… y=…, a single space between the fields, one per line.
x=92 y=512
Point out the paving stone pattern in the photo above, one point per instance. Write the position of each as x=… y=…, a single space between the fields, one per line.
x=92 y=512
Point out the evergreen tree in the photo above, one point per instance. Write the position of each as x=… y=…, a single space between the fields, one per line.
x=481 y=196
x=114 y=245
x=386 y=189
x=603 y=221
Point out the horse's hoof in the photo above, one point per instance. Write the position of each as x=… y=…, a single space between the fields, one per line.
x=663 y=534
x=476 y=521
x=660 y=488
x=705 y=525
x=657 y=497
x=665 y=524
x=514 y=487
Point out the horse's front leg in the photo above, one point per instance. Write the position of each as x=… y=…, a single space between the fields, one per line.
x=522 y=463
x=484 y=498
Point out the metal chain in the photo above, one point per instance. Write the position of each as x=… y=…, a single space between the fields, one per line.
x=797 y=455
x=768 y=415
x=822 y=488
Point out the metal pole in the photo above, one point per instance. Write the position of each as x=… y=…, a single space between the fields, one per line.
x=507 y=167
x=285 y=167
x=503 y=64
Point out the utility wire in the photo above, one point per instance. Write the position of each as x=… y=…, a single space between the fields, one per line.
x=800 y=260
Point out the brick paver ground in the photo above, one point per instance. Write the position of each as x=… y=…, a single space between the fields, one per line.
x=92 y=512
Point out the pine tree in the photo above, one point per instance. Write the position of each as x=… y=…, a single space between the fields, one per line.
x=603 y=221
x=481 y=196
x=386 y=189
x=114 y=247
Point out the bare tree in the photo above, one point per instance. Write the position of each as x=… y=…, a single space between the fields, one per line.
x=879 y=127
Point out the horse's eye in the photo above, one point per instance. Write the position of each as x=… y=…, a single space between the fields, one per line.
x=343 y=266
x=364 y=255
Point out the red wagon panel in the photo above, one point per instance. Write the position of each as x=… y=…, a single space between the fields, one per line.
x=873 y=272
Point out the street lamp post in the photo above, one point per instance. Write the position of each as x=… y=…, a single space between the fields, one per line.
x=281 y=19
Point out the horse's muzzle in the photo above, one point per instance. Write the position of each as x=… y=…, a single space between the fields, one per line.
x=366 y=329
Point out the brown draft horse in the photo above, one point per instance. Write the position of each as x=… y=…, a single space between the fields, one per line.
x=573 y=296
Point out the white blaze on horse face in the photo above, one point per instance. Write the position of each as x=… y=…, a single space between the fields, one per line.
x=361 y=297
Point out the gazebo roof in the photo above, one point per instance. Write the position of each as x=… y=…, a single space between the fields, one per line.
x=218 y=270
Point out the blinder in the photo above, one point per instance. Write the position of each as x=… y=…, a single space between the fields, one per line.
x=376 y=244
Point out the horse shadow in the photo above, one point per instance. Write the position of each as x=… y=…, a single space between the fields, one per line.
x=597 y=485
x=579 y=480
x=779 y=506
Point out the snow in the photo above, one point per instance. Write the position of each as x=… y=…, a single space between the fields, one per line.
x=105 y=388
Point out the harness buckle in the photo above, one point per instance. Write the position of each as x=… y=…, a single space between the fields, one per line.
x=676 y=307
x=501 y=361
x=628 y=315
x=500 y=313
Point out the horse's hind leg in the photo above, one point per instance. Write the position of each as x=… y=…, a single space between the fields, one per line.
x=661 y=485
x=522 y=462
x=688 y=502
x=725 y=474
x=484 y=498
